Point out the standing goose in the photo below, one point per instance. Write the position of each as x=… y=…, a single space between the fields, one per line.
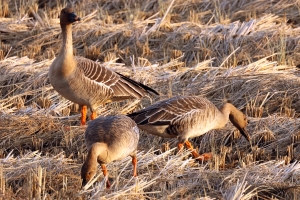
x=86 y=82
x=108 y=139
x=187 y=117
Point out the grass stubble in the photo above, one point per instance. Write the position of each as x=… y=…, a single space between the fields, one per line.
x=239 y=51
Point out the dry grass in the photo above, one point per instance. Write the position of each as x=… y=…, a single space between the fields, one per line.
x=246 y=52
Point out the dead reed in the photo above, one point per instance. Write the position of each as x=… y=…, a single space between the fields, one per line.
x=239 y=51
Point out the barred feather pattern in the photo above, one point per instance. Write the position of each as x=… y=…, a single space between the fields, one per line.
x=182 y=116
x=93 y=85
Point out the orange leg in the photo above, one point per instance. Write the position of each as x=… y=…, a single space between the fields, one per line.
x=205 y=156
x=134 y=163
x=93 y=115
x=104 y=170
x=191 y=148
x=180 y=146
x=83 y=115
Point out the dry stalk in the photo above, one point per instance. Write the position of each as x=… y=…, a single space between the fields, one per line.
x=222 y=50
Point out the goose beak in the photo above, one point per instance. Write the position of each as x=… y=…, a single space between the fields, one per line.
x=84 y=182
x=73 y=17
x=244 y=132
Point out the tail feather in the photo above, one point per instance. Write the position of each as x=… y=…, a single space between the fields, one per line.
x=138 y=84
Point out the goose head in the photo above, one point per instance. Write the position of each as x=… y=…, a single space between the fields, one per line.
x=67 y=16
x=239 y=120
x=88 y=171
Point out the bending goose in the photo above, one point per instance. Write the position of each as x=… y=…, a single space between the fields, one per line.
x=186 y=117
x=86 y=82
x=108 y=139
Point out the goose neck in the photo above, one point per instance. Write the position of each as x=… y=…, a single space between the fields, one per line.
x=225 y=111
x=98 y=151
x=91 y=158
x=67 y=47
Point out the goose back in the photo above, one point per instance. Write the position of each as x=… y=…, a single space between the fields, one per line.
x=119 y=133
x=183 y=116
x=93 y=85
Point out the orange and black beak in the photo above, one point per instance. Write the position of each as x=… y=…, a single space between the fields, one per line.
x=73 y=17
x=244 y=132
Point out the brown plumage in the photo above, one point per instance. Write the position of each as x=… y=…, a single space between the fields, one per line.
x=86 y=82
x=187 y=117
x=108 y=139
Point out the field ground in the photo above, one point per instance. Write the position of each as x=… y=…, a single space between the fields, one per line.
x=246 y=52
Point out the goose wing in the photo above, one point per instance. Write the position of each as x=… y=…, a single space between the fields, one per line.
x=121 y=86
x=168 y=111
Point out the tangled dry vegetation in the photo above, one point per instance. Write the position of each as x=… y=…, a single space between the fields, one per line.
x=243 y=51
